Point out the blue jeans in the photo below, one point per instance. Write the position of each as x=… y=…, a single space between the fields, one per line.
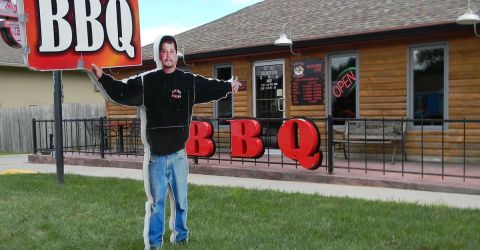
x=168 y=173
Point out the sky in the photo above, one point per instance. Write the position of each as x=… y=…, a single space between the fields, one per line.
x=160 y=17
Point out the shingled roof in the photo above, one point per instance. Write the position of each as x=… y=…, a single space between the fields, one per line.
x=260 y=24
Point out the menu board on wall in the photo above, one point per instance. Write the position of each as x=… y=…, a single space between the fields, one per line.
x=308 y=82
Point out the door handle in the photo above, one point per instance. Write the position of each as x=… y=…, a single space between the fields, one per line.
x=280 y=104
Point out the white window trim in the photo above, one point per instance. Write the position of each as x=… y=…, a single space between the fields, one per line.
x=410 y=100
x=215 y=103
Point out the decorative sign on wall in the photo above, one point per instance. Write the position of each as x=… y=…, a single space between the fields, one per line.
x=65 y=34
x=9 y=26
x=244 y=85
x=308 y=82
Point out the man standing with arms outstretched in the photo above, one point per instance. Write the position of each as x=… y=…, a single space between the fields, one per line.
x=166 y=96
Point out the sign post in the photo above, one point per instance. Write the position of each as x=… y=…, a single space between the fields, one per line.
x=57 y=106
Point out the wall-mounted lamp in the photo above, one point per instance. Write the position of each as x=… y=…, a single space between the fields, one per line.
x=181 y=54
x=469 y=18
x=283 y=40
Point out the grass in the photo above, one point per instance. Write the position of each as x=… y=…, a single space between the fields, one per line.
x=7 y=153
x=107 y=213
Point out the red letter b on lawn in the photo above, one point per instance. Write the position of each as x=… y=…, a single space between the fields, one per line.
x=245 y=140
x=199 y=142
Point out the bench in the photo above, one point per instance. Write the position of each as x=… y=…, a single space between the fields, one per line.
x=377 y=132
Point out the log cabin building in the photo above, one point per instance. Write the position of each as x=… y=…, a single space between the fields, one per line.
x=360 y=59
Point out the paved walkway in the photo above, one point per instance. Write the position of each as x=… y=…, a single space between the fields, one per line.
x=20 y=162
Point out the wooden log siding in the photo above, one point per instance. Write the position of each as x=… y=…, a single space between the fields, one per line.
x=383 y=74
x=464 y=78
x=118 y=111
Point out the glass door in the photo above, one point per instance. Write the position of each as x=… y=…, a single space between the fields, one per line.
x=269 y=100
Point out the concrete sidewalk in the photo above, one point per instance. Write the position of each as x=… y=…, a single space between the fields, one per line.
x=20 y=162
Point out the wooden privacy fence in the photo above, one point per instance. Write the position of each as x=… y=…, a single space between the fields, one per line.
x=16 y=123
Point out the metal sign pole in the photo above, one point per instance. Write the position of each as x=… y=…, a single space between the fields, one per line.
x=57 y=106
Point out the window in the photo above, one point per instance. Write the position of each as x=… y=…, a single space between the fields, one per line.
x=343 y=86
x=428 y=67
x=224 y=107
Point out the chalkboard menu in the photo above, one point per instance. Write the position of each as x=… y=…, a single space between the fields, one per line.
x=308 y=82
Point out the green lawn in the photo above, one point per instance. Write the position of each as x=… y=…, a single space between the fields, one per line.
x=107 y=213
x=7 y=153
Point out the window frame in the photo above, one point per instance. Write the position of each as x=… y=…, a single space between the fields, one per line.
x=329 y=83
x=215 y=103
x=410 y=83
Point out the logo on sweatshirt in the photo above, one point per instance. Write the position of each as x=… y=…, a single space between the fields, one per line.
x=176 y=94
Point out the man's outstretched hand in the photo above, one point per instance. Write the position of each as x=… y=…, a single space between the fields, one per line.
x=235 y=85
x=98 y=72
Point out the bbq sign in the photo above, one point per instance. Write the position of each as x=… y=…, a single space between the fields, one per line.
x=9 y=27
x=298 y=139
x=73 y=34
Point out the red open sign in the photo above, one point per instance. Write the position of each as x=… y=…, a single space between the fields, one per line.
x=345 y=83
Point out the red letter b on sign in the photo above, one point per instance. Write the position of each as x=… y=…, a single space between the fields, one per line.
x=303 y=147
x=199 y=142
x=245 y=140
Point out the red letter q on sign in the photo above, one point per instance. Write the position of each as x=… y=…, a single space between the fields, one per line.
x=302 y=146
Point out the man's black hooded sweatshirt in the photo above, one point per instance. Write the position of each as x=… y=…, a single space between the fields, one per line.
x=168 y=100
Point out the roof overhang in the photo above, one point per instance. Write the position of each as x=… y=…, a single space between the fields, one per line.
x=331 y=40
x=19 y=65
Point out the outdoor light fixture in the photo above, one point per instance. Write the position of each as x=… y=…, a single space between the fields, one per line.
x=468 y=18
x=179 y=54
x=283 y=40
x=182 y=55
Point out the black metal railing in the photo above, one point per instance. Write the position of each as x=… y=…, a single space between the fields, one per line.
x=91 y=136
x=446 y=148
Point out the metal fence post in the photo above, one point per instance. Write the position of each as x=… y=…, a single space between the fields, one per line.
x=330 y=144
x=34 y=134
x=102 y=138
